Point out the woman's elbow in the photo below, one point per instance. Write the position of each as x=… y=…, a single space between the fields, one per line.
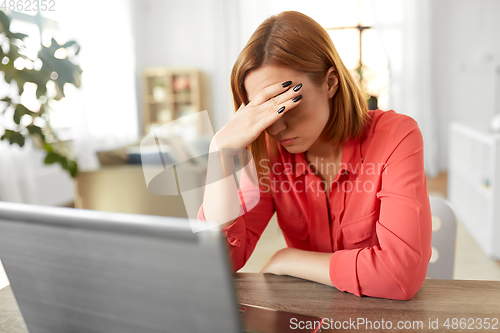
x=411 y=286
x=404 y=283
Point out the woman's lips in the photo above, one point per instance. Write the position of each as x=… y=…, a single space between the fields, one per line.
x=287 y=142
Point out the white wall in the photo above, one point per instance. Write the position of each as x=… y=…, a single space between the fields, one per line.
x=190 y=33
x=209 y=34
x=466 y=50
x=465 y=53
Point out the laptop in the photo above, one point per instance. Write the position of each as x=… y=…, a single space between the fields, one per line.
x=74 y=270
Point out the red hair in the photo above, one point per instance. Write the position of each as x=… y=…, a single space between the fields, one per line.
x=295 y=40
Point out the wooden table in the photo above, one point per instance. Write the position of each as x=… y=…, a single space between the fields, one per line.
x=437 y=300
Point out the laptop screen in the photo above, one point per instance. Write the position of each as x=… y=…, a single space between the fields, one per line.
x=75 y=270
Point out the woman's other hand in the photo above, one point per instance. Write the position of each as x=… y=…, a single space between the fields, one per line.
x=309 y=265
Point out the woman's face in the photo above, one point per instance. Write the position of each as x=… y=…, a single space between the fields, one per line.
x=306 y=121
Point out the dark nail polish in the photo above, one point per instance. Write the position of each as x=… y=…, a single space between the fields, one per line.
x=297 y=87
x=286 y=84
x=297 y=98
x=281 y=110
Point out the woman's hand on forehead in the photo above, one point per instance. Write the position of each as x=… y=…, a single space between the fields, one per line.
x=250 y=120
x=275 y=94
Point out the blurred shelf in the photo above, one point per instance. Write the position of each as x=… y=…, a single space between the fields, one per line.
x=170 y=93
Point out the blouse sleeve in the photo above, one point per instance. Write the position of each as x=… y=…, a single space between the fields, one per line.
x=395 y=268
x=243 y=234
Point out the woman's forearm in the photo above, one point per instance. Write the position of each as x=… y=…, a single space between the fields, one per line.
x=309 y=265
x=221 y=201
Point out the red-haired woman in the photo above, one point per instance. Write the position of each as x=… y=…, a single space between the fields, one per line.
x=347 y=183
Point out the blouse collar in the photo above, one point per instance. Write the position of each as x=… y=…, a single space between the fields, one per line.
x=351 y=159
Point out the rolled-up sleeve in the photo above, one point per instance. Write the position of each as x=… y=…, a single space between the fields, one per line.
x=243 y=234
x=396 y=267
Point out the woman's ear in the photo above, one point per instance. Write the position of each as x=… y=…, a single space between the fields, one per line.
x=332 y=82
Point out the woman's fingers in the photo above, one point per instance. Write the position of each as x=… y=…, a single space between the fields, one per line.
x=261 y=112
x=274 y=112
x=270 y=91
x=279 y=100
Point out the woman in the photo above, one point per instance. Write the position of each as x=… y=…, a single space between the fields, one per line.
x=347 y=184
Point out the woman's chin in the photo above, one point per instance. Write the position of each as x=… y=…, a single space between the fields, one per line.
x=293 y=149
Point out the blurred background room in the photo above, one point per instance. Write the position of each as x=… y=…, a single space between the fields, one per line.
x=136 y=65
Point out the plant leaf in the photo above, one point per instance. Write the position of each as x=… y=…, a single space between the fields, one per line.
x=54 y=46
x=64 y=162
x=52 y=158
x=8 y=76
x=13 y=53
x=13 y=137
x=20 y=84
x=68 y=44
x=31 y=75
x=19 y=35
x=59 y=89
x=41 y=90
x=33 y=130
x=6 y=100
x=19 y=112
x=5 y=21
x=48 y=147
x=67 y=72
x=73 y=168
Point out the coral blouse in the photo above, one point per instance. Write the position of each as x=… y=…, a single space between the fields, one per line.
x=375 y=218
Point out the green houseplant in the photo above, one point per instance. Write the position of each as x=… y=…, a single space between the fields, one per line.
x=48 y=66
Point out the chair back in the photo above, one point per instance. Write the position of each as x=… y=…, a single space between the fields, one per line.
x=444 y=234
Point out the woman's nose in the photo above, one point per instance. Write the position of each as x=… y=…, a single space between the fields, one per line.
x=278 y=126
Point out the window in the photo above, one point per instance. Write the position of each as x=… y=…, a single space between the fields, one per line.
x=360 y=48
x=41 y=27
